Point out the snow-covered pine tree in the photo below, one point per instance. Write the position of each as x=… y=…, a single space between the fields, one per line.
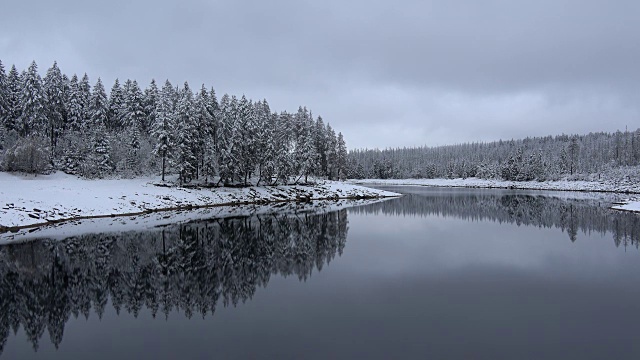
x=332 y=152
x=186 y=161
x=247 y=126
x=211 y=148
x=116 y=107
x=4 y=106
x=4 y=96
x=265 y=141
x=74 y=106
x=100 y=157
x=85 y=101
x=203 y=122
x=341 y=157
x=304 y=153
x=134 y=115
x=14 y=86
x=163 y=127
x=225 y=140
x=320 y=142
x=151 y=95
x=285 y=144
x=32 y=115
x=54 y=103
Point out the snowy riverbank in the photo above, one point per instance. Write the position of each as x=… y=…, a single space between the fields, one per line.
x=28 y=201
x=622 y=186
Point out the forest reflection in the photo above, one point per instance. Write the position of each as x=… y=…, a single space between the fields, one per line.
x=584 y=213
x=189 y=268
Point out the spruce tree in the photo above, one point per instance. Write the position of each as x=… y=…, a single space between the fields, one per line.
x=203 y=122
x=84 y=98
x=341 y=157
x=4 y=96
x=163 y=128
x=54 y=103
x=14 y=86
x=74 y=106
x=150 y=104
x=185 y=129
x=116 y=107
x=4 y=106
x=32 y=116
x=100 y=157
x=134 y=115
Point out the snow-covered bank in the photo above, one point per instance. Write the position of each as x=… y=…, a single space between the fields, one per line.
x=628 y=205
x=622 y=186
x=28 y=201
x=143 y=222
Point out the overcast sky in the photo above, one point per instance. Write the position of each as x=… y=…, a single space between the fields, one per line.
x=384 y=73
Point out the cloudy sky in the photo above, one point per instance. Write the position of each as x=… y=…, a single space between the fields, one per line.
x=384 y=73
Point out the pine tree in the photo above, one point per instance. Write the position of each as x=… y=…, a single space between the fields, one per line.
x=100 y=158
x=264 y=144
x=185 y=128
x=74 y=107
x=84 y=99
x=54 y=103
x=247 y=126
x=304 y=153
x=320 y=166
x=203 y=122
x=4 y=105
x=332 y=152
x=341 y=157
x=116 y=107
x=163 y=128
x=4 y=96
x=225 y=140
x=32 y=116
x=14 y=86
x=150 y=103
x=98 y=107
x=134 y=115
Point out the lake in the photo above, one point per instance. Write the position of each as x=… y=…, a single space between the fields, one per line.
x=440 y=273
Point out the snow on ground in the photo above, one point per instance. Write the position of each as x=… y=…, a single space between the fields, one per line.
x=632 y=204
x=622 y=186
x=158 y=219
x=27 y=200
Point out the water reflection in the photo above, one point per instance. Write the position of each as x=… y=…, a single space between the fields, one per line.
x=582 y=212
x=190 y=268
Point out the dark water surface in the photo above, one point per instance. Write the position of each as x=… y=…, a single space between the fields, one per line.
x=458 y=274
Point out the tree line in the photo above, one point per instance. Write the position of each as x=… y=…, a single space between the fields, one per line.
x=533 y=158
x=60 y=123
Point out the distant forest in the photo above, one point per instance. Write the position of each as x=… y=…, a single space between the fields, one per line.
x=576 y=157
x=62 y=123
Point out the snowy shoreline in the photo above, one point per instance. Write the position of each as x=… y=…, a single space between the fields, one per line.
x=623 y=186
x=28 y=202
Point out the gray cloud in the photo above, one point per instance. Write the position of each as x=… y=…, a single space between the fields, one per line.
x=385 y=74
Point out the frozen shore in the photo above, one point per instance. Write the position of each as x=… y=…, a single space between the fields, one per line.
x=622 y=186
x=27 y=201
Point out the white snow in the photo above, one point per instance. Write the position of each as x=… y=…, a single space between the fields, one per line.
x=621 y=186
x=26 y=200
x=632 y=204
x=157 y=219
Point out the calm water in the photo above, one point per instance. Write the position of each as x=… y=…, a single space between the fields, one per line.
x=460 y=274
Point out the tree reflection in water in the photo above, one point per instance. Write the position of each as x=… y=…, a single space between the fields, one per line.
x=584 y=213
x=190 y=268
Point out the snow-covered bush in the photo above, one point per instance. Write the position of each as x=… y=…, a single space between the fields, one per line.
x=30 y=155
